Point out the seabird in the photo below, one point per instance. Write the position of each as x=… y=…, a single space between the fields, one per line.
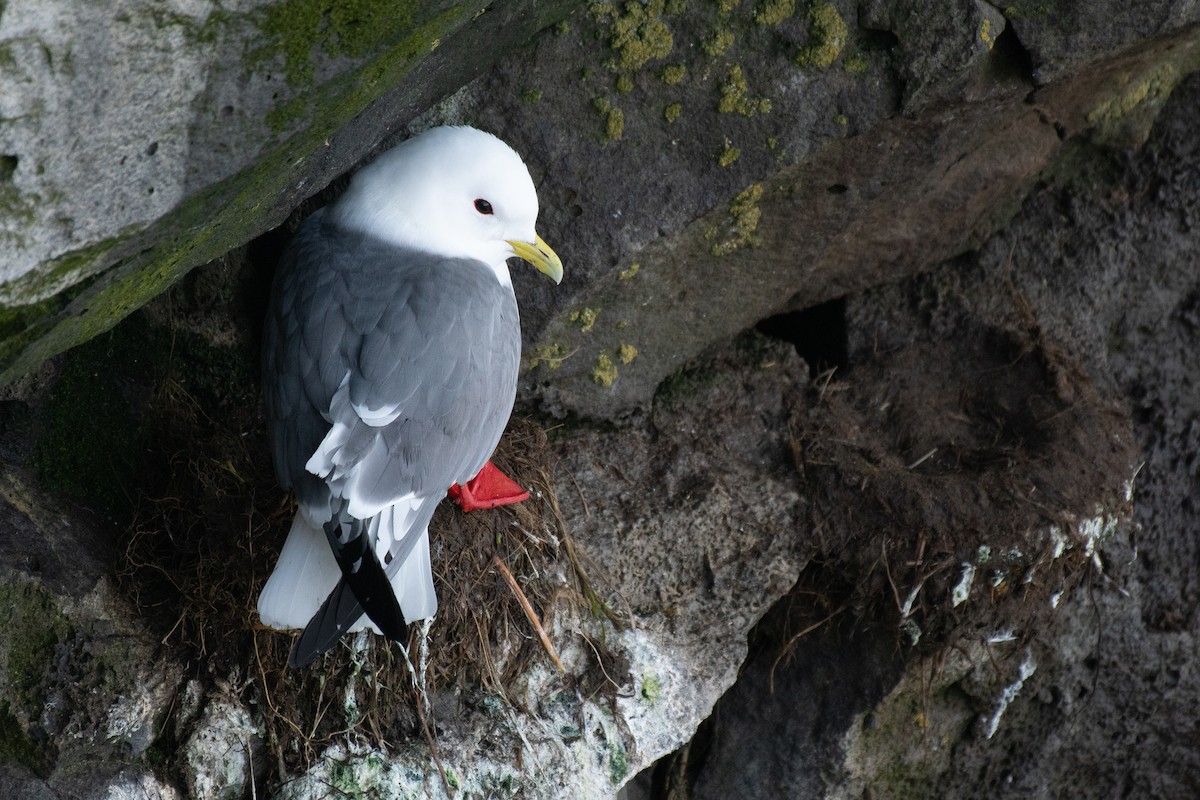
x=390 y=358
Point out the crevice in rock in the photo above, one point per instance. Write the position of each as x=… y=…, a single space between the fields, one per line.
x=1010 y=60
x=818 y=333
x=8 y=166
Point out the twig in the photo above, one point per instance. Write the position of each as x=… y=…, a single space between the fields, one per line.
x=922 y=459
x=529 y=612
x=797 y=637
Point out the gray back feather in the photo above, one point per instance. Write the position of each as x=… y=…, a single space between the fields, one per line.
x=437 y=338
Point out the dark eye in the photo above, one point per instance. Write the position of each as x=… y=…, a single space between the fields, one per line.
x=483 y=206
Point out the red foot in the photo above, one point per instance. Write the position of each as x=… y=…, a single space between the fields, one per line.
x=489 y=489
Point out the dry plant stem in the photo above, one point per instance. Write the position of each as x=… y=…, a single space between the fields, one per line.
x=529 y=612
x=787 y=648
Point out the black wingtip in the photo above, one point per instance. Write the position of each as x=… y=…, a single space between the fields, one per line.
x=364 y=588
x=332 y=620
x=335 y=616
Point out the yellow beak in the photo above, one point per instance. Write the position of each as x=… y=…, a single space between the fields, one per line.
x=540 y=255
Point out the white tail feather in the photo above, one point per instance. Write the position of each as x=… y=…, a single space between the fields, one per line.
x=303 y=578
x=307 y=571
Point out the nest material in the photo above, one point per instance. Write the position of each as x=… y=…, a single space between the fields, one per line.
x=206 y=535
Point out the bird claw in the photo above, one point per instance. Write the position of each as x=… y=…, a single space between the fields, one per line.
x=491 y=488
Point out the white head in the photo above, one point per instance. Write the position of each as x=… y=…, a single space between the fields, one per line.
x=453 y=191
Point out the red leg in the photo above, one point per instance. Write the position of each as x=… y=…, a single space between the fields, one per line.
x=489 y=489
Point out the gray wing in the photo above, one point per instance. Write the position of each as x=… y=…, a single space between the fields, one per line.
x=424 y=350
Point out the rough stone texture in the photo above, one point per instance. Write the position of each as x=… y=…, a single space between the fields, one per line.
x=858 y=210
x=919 y=574
x=84 y=689
x=138 y=140
x=1094 y=699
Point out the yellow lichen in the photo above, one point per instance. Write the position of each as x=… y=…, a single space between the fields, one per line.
x=586 y=317
x=729 y=153
x=673 y=74
x=728 y=6
x=744 y=215
x=605 y=371
x=626 y=353
x=985 y=33
x=614 y=126
x=614 y=118
x=720 y=41
x=626 y=274
x=735 y=96
x=855 y=64
x=827 y=33
x=672 y=112
x=1154 y=86
x=639 y=34
x=552 y=355
x=773 y=12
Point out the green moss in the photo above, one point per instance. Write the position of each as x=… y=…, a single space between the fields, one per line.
x=626 y=274
x=562 y=28
x=359 y=27
x=533 y=95
x=604 y=372
x=17 y=746
x=841 y=119
x=352 y=28
x=773 y=12
x=718 y=42
x=673 y=74
x=626 y=353
x=33 y=628
x=624 y=84
x=728 y=154
x=736 y=98
x=618 y=763
x=672 y=112
x=216 y=219
x=291 y=29
x=827 y=35
x=586 y=317
x=728 y=6
x=744 y=216
x=282 y=116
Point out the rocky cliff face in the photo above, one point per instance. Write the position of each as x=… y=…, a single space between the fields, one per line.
x=863 y=429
